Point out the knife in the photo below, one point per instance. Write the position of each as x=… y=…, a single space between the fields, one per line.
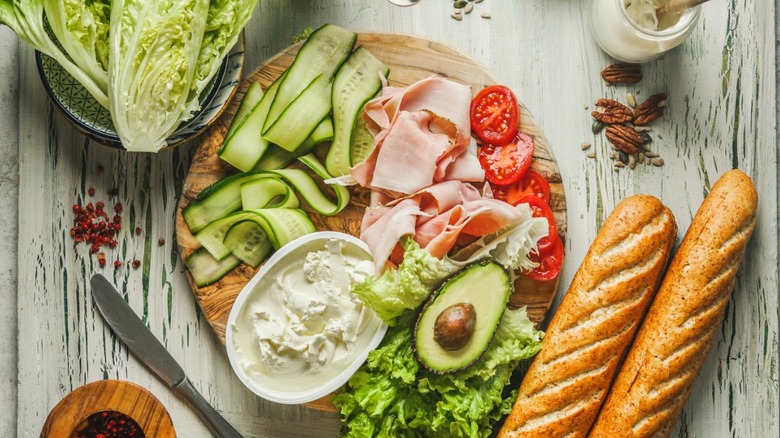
x=147 y=349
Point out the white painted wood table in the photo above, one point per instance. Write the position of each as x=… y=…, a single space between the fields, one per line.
x=722 y=114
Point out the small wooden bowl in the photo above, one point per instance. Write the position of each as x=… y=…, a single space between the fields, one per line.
x=109 y=395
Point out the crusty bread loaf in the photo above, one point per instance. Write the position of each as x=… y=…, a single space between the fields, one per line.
x=657 y=376
x=569 y=378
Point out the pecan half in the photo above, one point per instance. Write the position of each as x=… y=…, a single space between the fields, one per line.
x=625 y=138
x=650 y=109
x=611 y=111
x=622 y=73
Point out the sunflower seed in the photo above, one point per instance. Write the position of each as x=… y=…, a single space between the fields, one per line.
x=456 y=16
x=619 y=165
x=631 y=100
x=477 y=1
x=585 y=146
x=632 y=161
x=591 y=155
x=658 y=161
x=468 y=8
x=641 y=158
x=643 y=128
x=484 y=14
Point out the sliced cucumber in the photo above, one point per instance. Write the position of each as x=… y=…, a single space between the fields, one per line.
x=322 y=54
x=243 y=148
x=362 y=142
x=278 y=158
x=247 y=241
x=301 y=117
x=342 y=193
x=281 y=225
x=250 y=100
x=267 y=193
x=357 y=81
x=206 y=270
x=217 y=200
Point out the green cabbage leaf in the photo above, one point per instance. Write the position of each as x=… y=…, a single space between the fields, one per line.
x=226 y=19
x=154 y=55
x=26 y=19
x=81 y=28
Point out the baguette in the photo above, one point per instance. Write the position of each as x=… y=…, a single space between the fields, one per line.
x=678 y=332
x=568 y=380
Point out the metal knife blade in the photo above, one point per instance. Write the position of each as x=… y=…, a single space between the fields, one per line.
x=144 y=345
x=135 y=335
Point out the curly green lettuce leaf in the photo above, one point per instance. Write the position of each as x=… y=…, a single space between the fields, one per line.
x=26 y=19
x=397 y=290
x=391 y=395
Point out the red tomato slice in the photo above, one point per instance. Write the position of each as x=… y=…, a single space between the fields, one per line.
x=549 y=263
x=506 y=164
x=539 y=208
x=494 y=115
x=531 y=183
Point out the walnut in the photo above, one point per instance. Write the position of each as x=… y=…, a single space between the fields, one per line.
x=650 y=109
x=611 y=111
x=622 y=74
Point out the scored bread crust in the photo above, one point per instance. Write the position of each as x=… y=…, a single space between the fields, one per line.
x=678 y=332
x=568 y=380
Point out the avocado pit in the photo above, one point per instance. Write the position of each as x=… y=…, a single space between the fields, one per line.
x=455 y=326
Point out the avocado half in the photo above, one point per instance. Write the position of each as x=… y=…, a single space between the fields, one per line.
x=458 y=321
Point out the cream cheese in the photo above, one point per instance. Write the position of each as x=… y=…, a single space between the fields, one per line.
x=301 y=324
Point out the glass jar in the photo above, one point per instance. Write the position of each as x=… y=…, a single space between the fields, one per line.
x=620 y=37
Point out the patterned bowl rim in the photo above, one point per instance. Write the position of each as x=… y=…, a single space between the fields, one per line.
x=220 y=81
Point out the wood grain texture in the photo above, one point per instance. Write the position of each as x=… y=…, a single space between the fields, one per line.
x=722 y=114
x=109 y=395
x=410 y=59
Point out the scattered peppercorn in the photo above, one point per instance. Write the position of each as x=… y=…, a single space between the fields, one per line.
x=91 y=191
x=105 y=424
x=161 y=241
x=137 y=231
x=117 y=264
x=91 y=226
x=136 y=264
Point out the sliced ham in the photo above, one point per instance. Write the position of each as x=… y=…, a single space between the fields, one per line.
x=436 y=217
x=419 y=173
x=422 y=135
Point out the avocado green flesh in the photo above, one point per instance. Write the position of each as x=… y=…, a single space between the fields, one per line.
x=487 y=286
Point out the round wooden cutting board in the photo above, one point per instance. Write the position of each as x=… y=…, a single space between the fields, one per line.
x=410 y=59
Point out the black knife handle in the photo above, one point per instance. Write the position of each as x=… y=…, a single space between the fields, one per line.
x=216 y=423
